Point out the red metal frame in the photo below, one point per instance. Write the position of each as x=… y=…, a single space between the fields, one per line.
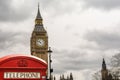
x=22 y=63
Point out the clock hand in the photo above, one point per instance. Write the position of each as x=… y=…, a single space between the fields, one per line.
x=39 y=41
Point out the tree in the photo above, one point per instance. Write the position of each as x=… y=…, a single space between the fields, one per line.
x=115 y=60
x=96 y=76
x=115 y=63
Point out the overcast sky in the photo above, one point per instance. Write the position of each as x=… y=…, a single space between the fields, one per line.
x=81 y=32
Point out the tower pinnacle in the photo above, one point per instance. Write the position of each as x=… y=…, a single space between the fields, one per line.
x=104 y=71
x=38 y=19
x=38 y=13
x=103 y=64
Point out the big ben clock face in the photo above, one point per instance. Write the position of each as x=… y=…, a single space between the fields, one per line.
x=40 y=42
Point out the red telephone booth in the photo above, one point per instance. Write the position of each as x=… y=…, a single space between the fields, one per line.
x=22 y=67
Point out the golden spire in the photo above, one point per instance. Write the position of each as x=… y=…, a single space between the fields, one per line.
x=38 y=19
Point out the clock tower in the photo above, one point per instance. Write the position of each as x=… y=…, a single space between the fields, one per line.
x=104 y=71
x=39 y=39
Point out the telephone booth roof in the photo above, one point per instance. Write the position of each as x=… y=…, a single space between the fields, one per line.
x=21 y=60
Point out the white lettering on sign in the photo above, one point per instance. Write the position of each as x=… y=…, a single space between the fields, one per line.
x=21 y=75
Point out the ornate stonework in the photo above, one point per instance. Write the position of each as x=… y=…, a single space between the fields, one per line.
x=39 y=39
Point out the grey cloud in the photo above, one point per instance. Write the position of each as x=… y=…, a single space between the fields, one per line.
x=58 y=7
x=105 y=40
x=72 y=60
x=10 y=39
x=5 y=39
x=10 y=13
x=103 y=4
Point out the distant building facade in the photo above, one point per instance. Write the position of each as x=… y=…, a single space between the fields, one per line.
x=70 y=77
